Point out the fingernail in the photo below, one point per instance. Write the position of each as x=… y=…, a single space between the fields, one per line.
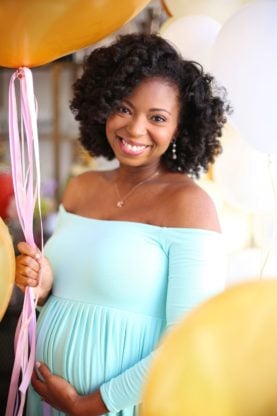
x=37 y=255
x=38 y=364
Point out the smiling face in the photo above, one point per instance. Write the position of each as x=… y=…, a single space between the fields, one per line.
x=143 y=125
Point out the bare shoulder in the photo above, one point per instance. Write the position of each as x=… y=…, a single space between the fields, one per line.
x=79 y=187
x=191 y=207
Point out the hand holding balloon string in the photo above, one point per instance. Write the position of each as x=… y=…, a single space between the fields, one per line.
x=34 y=270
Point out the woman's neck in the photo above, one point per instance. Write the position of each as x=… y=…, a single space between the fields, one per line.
x=134 y=174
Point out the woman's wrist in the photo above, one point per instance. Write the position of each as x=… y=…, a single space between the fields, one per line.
x=89 y=405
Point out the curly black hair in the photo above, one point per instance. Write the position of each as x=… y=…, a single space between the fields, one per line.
x=111 y=73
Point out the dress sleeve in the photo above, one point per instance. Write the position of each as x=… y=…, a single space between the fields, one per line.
x=196 y=271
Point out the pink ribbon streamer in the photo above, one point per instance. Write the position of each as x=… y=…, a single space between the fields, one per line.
x=25 y=165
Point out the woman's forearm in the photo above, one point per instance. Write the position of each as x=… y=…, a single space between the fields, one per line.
x=90 y=405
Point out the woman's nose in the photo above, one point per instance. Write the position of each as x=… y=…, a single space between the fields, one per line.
x=137 y=126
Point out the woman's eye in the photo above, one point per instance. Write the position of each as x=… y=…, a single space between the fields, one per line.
x=122 y=109
x=159 y=119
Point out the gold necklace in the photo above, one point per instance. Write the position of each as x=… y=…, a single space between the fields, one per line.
x=121 y=202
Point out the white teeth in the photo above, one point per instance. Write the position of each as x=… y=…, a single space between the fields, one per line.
x=133 y=148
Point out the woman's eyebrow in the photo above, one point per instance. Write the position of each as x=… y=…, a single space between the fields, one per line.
x=128 y=102
x=151 y=109
x=160 y=109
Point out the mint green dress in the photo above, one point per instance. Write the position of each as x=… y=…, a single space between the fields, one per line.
x=118 y=286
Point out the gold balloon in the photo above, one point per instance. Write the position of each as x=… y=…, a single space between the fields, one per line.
x=219 y=10
x=7 y=268
x=221 y=360
x=35 y=32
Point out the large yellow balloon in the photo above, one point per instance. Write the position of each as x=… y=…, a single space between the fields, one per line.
x=221 y=360
x=34 y=32
x=7 y=268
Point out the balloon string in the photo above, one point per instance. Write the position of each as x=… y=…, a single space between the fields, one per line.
x=25 y=167
x=274 y=235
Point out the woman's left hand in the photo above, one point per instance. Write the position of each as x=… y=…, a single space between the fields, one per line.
x=62 y=396
x=54 y=390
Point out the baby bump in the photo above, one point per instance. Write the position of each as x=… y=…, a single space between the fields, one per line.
x=89 y=344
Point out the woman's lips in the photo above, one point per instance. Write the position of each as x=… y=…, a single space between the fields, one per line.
x=131 y=149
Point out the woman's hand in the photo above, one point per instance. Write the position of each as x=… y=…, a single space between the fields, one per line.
x=62 y=396
x=54 y=390
x=30 y=266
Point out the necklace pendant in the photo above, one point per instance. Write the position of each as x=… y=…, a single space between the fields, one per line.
x=120 y=204
x=121 y=201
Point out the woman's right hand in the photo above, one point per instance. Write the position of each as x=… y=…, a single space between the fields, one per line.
x=30 y=267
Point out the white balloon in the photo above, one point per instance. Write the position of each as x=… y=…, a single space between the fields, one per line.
x=248 y=264
x=193 y=36
x=264 y=229
x=246 y=177
x=235 y=226
x=244 y=59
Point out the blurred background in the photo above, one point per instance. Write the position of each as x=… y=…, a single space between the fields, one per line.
x=242 y=182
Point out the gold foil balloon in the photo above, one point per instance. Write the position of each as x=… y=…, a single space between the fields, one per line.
x=221 y=360
x=218 y=10
x=35 y=32
x=7 y=268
